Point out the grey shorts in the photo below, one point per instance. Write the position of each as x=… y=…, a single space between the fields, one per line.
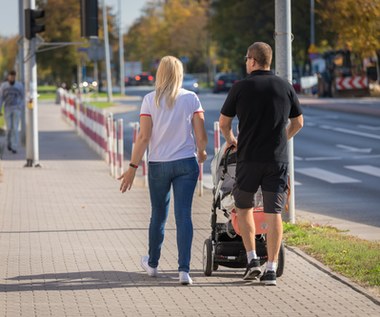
x=271 y=177
x=274 y=203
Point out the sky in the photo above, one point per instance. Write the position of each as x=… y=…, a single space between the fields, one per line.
x=9 y=13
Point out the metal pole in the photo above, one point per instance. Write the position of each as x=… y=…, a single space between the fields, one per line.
x=121 y=53
x=107 y=53
x=29 y=101
x=21 y=66
x=283 y=55
x=33 y=105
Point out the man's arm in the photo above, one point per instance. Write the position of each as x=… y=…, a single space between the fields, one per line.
x=294 y=126
x=225 y=124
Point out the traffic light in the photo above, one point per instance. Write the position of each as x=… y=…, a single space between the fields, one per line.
x=32 y=26
x=89 y=18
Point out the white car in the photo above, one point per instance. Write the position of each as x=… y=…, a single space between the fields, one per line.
x=190 y=83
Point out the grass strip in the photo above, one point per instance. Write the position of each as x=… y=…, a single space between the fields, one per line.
x=352 y=257
x=101 y=104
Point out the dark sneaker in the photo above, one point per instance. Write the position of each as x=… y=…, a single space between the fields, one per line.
x=268 y=278
x=253 y=270
x=9 y=147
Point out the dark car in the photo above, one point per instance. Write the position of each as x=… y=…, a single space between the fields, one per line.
x=144 y=79
x=224 y=81
x=190 y=83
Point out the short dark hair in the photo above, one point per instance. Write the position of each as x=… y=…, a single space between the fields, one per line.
x=12 y=73
x=262 y=53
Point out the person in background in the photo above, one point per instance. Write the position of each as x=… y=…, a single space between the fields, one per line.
x=12 y=96
x=172 y=124
x=263 y=103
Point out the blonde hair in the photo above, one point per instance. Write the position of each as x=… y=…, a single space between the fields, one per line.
x=168 y=80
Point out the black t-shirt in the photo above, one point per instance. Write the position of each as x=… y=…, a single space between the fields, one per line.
x=263 y=103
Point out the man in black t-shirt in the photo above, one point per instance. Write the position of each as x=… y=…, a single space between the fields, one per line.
x=263 y=103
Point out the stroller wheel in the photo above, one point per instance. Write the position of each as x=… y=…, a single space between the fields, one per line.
x=281 y=261
x=215 y=266
x=207 y=257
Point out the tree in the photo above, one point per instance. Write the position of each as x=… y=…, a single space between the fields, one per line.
x=62 y=20
x=356 y=25
x=8 y=55
x=175 y=27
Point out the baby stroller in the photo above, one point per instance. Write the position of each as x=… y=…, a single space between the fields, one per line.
x=225 y=247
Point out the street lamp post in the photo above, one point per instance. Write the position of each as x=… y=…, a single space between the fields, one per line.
x=121 y=53
x=283 y=54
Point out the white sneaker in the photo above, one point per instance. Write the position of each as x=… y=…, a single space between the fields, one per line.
x=152 y=271
x=185 y=279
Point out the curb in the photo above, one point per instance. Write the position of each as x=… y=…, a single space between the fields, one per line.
x=344 y=280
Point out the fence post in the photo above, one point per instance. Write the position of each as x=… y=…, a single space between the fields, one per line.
x=216 y=137
x=200 y=180
x=120 y=146
x=110 y=142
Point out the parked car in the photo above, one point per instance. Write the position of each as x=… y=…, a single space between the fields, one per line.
x=224 y=81
x=144 y=78
x=190 y=83
x=129 y=81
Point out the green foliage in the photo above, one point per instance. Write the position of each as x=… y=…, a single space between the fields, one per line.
x=8 y=55
x=176 y=27
x=355 y=258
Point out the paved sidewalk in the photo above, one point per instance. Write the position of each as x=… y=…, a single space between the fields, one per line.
x=70 y=245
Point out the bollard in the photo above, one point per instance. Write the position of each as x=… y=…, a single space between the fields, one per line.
x=114 y=149
x=104 y=135
x=145 y=169
x=216 y=137
x=110 y=143
x=120 y=146
x=135 y=132
x=200 y=180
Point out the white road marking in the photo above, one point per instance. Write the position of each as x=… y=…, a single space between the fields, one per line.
x=323 y=158
x=354 y=149
x=367 y=135
x=369 y=127
x=359 y=157
x=332 y=178
x=366 y=169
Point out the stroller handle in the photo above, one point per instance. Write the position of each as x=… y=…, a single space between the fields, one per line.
x=226 y=153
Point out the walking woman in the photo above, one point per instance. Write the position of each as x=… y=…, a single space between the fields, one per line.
x=172 y=124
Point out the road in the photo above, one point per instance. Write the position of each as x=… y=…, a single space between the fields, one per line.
x=337 y=157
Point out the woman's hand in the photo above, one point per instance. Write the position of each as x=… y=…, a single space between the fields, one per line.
x=202 y=156
x=127 y=179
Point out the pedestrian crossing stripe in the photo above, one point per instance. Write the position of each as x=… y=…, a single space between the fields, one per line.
x=322 y=174
x=330 y=177
x=366 y=169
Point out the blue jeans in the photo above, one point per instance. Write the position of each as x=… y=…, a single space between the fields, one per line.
x=12 y=119
x=182 y=175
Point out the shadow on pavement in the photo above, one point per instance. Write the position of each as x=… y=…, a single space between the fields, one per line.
x=109 y=279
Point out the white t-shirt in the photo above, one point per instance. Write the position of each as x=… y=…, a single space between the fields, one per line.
x=172 y=132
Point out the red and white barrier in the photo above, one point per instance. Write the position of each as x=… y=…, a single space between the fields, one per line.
x=97 y=128
x=350 y=83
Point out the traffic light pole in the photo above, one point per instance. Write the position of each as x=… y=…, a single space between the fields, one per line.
x=32 y=145
x=283 y=54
